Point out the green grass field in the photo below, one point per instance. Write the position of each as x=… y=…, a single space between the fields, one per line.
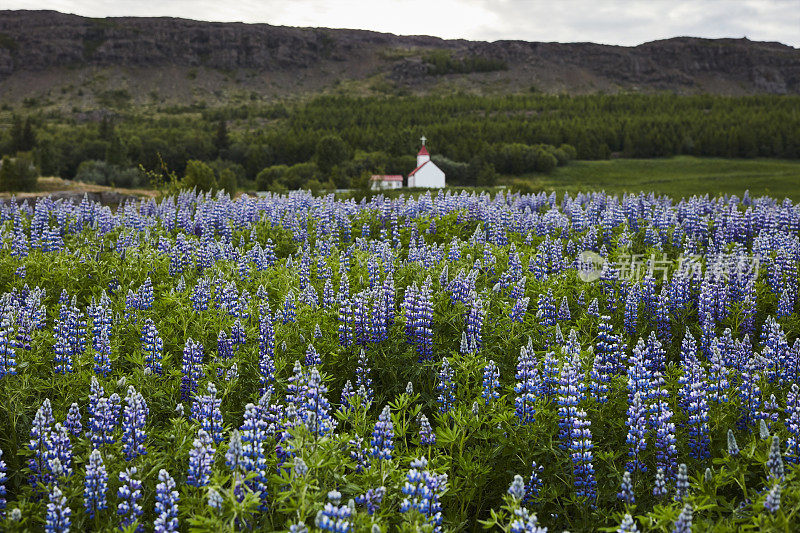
x=676 y=176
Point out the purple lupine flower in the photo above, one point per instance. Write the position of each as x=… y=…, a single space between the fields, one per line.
x=133 y=422
x=582 y=456
x=660 y=486
x=314 y=408
x=693 y=400
x=73 y=421
x=289 y=309
x=665 y=442
x=192 y=368
x=571 y=392
x=474 y=322
x=684 y=522
x=3 y=479
x=519 y=309
x=773 y=501
x=637 y=433
x=446 y=387
x=383 y=435
x=58 y=513
x=372 y=499
x=206 y=410
x=166 y=504
x=201 y=460
x=626 y=489
x=95 y=485
x=145 y=295
x=102 y=355
x=363 y=379
x=40 y=443
x=528 y=387
x=312 y=357
x=793 y=424
x=491 y=382
x=534 y=486
x=152 y=346
x=422 y=490
x=254 y=435
x=358 y=453
x=775 y=460
x=129 y=494
x=266 y=348
x=7 y=344
x=426 y=435
x=335 y=517
x=628 y=525
x=682 y=483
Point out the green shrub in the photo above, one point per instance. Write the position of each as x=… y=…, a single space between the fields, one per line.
x=18 y=173
x=199 y=175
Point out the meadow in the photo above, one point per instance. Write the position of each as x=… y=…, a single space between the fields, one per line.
x=442 y=362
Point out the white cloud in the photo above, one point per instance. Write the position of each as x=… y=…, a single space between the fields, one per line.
x=604 y=21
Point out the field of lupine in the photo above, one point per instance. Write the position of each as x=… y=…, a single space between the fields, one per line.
x=448 y=362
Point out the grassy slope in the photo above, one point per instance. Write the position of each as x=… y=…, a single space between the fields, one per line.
x=676 y=176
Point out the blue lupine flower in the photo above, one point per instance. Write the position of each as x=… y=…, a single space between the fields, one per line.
x=73 y=421
x=733 y=446
x=773 y=501
x=445 y=385
x=334 y=517
x=314 y=408
x=491 y=381
x=152 y=346
x=660 y=486
x=363 y=379
x=192 y=368
x=129 y=494
x=693 y=393
x=383 y=435
x=525 y=522
x=528 y=387
x=7 y=344
x=628 y=525
x=422 y=489
x=534 y=485
x=266 y=348
x=95 y=485
x=517 y=488
x=775 y=460
x=626 y=489
x=133 y=422
x=58 y=513
x=40 y=443
x=254 y=434
x=637 y=433
x=145 y=295
x=102 y=355
x=793 y=424
x=372 y=499
x=426 y=435
x=312 y=357
x=166 y=504
x=571 y=391
x=3 y=479
x=201 y=460
x=206 y=410
x=684 y=522
x=682 y=483
x=359 y=454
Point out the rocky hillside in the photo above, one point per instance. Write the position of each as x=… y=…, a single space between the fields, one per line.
x=54 y=57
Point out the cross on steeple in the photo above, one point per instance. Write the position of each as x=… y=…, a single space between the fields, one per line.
x=423 y=139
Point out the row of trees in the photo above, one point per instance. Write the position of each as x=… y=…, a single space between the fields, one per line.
x=337 y=139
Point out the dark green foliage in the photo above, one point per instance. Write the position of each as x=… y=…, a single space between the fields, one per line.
x=442 y=62
x=103 y=173
x=18 y=173
x=200 y=176
x=331 y=151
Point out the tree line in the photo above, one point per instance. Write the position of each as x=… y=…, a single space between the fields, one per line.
x=337 y=140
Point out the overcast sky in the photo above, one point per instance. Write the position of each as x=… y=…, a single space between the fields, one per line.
x=604 y=21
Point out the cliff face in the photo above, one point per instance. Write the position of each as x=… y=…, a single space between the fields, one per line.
x=35 y=42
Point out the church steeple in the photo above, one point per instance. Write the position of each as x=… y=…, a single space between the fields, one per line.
x=423 y=156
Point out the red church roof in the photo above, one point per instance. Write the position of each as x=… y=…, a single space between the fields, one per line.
x=423 y=151
x=391 y=177
x=419 y=167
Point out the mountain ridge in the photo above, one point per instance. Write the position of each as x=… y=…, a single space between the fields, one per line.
x=44 y=52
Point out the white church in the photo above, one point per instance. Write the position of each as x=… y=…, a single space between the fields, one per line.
x=426 y=175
